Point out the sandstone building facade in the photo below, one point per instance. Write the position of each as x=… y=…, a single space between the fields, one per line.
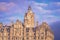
x=26 y=30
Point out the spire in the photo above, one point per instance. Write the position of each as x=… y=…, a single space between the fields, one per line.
x=29 y=8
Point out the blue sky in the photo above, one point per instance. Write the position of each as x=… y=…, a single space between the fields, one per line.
x=44 y=10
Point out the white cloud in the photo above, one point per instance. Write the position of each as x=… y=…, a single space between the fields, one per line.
x=57 y=10
x=47 y=18
x=44 y=8
x=6 y=6
x=40 y=8
x=10 y=8
x=55 y=3
x=40 y=4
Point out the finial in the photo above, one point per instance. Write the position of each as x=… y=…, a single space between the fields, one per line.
x=37 y=23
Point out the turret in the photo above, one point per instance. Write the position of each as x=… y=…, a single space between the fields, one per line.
x=1 y=25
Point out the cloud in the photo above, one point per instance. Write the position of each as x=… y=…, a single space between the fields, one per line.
x=46 y=8
x=56 y=3
x=53 y=5
x=40 y=4
x=41 y=7
x=57 y=11
x=6 y=6
x=47 y=18
x=10 y=8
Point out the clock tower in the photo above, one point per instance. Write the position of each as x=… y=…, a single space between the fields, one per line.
x=29 y=18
